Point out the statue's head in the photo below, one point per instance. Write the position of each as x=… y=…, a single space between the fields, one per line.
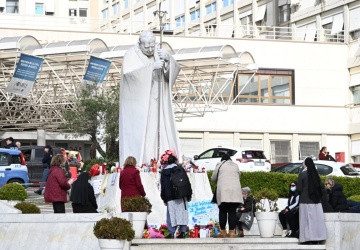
x=147 y=43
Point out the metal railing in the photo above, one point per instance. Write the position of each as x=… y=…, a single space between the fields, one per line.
x=176 y=29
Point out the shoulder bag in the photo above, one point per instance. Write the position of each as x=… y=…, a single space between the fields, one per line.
x=247 y=218
x=214 y=199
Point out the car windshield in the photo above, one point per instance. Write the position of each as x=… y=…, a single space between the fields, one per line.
x=253 y=154
x=349 y=170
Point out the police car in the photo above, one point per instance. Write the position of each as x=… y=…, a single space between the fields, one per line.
x=12 y=167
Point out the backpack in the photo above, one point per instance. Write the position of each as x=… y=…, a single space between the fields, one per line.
x=181 y=186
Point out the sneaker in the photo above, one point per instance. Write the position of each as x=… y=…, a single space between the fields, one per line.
x=284 y=233
x=39 y=191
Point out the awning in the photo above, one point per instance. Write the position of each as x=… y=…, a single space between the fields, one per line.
x=282 y=2
x=260 y=13
x=354 y=80
x=244 y=14
x=310 y=32
x=49 y=6
x=338 y=23
x=326 y=20
x=354 y=19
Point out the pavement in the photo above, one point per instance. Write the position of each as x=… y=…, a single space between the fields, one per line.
x=38 y=200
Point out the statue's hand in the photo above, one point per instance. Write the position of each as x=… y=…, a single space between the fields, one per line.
x=163 y=55
x=158 y=64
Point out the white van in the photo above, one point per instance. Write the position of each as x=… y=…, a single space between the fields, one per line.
x=248 y=159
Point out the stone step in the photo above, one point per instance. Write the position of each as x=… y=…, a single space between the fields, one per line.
x=251 y=243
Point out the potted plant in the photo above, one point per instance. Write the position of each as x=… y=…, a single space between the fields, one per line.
x=138 y=208
x=113 y=232
x=266 y=215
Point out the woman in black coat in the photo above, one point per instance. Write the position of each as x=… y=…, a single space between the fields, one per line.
x=290 y=214
x=337 y=199
x=82 y=195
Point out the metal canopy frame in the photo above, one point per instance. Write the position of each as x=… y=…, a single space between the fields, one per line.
x=205 y=83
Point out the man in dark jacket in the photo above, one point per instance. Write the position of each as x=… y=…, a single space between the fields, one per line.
x=46 y=160
x=10 y=143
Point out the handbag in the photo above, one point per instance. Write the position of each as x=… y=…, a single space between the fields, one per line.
x=247 y=218
x=214 y=199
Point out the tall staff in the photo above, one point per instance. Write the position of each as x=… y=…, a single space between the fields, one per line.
x=161 y=15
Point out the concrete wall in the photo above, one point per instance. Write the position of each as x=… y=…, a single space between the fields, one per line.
x=74 y=231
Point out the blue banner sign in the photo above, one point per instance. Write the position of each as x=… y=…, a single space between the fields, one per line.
x=25 y=74
x=96 y=70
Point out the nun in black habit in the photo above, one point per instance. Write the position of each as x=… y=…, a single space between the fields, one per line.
x=312 y=221
x=82 y=195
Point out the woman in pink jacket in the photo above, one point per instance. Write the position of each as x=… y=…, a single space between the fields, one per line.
x=57 y=184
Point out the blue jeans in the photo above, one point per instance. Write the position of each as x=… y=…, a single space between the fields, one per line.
x=171 y=228
x=44 y=178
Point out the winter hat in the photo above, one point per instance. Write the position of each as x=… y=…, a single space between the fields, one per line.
x=10 y=139
x=48 y=146
x=225 y=157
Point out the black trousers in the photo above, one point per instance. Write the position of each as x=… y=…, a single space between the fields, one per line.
x=227 y=213
x=59 y=207
x=291 y=219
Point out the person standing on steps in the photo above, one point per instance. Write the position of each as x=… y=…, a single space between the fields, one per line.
x=227 y=178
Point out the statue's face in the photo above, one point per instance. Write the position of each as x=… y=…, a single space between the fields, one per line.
x=147 y=46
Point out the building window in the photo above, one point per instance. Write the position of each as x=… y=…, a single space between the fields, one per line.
x=355 y=34
x=210 y=8
x=83 y=12
x=72 y=12
x=226 y=3
x=356 y=94
x=257 y=144
x=12 y=6
x=126 y=4
x=195 y=14
x=39 y=9
x=308 y=149
x=280 y=151
x=104 y=13
x=180 y=21
x=266 y=86
x=115 y=8
x=284 y=15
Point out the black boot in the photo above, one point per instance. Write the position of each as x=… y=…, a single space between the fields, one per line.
x=181 y=235
x=39 y=191
x=170 y=236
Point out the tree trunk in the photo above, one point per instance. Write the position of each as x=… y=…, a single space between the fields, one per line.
x=96 y=146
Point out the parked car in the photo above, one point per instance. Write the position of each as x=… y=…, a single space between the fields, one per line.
x=76 y=154
x=33 y=157
x=247 y=159
x=323 y=168
x=13 y=167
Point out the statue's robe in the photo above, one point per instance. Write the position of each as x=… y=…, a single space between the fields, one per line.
x=139 y=100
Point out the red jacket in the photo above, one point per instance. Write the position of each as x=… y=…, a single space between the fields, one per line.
x=322 y=156
x=130 y=182
x=56 y=185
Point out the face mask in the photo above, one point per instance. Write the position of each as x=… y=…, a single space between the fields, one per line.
x=293 y=189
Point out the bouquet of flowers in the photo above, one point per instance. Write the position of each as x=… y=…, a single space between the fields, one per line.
x=165 y=157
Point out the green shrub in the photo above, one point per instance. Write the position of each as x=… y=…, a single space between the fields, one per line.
x=88 y=164
x=114 y=228
x=136 y=204
x=354 y=198
x=13 y=192
x=280 y=182
x=27 y=208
